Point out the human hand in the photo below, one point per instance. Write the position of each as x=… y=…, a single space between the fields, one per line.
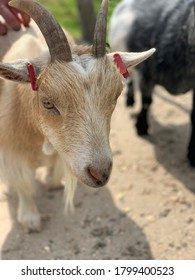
x=12 y=17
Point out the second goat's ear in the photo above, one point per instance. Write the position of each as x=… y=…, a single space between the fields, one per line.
x=131 y=59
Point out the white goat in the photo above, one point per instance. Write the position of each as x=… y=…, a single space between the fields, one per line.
x=64 y=121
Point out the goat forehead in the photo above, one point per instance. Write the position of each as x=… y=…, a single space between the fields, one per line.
x=100 y=75
x=87 y=65
x=84 y=64
x=84 y=74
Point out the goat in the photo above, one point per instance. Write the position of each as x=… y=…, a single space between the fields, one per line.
x=169 y=26
x=58 y=114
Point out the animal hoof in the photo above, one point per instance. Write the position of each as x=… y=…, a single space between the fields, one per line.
x=31 y=222
x=142 y=123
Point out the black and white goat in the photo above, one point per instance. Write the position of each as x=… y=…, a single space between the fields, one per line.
x=169 y=26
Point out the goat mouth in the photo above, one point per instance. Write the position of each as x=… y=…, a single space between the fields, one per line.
x=95 y=185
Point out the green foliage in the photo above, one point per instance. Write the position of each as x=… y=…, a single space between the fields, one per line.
x=66 y=13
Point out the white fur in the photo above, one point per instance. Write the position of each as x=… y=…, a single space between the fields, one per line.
x=119 y=24
x=70 y=188
x=84 y=63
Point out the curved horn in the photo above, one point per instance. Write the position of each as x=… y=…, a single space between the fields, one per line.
x=54 y=36
x=99 y=41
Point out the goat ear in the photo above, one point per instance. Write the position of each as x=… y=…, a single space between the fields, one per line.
x=17 y=71
x=131 y=59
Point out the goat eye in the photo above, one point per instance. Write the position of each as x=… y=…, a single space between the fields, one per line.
x=50 y=106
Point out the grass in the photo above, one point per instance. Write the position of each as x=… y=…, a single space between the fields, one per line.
x=66 y=13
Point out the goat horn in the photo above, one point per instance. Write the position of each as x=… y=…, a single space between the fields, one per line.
x=54 y=36
x=99 y=41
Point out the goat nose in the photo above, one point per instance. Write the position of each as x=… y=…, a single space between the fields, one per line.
x=99 y=177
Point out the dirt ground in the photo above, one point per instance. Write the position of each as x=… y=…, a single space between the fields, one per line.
x=145 y=212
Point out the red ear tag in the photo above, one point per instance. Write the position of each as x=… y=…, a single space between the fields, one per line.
x=121 y=66
x=32 y=77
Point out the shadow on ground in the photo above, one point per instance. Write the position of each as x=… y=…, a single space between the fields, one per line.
x=96 y=230
x=170 y=146
x=171 y=142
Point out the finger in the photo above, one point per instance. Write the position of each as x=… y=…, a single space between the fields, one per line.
x=25 y=19
x=22 y=17
x=10 y=18
x=3 y=29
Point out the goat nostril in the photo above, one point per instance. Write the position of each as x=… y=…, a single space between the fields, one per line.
x=95 y=175
x=98 y=177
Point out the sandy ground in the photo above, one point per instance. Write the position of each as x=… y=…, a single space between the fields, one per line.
x=145 y=212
